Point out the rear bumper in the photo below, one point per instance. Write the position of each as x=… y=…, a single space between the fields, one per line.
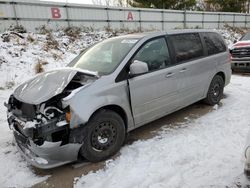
x=48 y=155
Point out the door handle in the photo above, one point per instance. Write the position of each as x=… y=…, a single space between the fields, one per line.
x=183 y=70
x=168 y=75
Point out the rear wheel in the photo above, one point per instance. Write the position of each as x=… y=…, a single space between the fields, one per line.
x=103 y=136
x=215 y=91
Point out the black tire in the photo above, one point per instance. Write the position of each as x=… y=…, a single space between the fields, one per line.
x=103 y=136
x=247 y=174
x=215 y=91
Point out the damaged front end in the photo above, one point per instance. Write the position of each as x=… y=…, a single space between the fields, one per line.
x=41 y=126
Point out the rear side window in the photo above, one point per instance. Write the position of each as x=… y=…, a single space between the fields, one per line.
x=187 y=46
x=214 y=43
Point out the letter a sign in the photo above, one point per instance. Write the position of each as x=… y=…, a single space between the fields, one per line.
x=130 y=16
x=55 y=12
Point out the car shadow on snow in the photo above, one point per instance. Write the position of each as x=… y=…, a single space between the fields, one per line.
x=174 y=120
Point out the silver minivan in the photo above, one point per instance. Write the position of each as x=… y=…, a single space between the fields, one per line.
x=113 y=87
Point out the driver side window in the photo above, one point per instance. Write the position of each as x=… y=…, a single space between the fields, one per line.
x=155 y=53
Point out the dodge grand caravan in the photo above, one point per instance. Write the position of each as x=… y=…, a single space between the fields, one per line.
x=115 y=86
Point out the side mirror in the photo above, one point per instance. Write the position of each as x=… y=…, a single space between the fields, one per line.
x=235 y=41
x=138 y=67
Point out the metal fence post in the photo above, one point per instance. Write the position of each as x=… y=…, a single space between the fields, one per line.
x=14 y=11
x=245 y=20
x=107 y=12
x=233 y=20
x=162 y=20
x=67 y=14
x=122 y=25
x=184 y=19
x=202 y=20
x=140 y=20
x=219 y=21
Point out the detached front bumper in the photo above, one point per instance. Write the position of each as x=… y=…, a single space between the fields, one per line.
x=241 y=64
x=45 y=147
x=48 y=155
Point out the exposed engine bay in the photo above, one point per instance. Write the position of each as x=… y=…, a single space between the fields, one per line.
x=49 y=120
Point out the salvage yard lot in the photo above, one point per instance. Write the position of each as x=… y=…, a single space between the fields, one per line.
x=199 y=146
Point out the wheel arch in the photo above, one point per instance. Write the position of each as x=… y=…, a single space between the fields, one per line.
x=207 y=98
x=219 y=73
x=222 y=74
x=116 y=108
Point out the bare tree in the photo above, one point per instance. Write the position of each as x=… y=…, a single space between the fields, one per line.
x=120 y=3
x=200 y=5
x=248 y=6
x=108 y=2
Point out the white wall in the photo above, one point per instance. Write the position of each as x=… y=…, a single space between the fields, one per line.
x=35 y=14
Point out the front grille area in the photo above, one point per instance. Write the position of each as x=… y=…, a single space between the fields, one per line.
x=23 y=110
x=241 y=52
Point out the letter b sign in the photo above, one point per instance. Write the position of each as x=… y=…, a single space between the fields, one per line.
x=55 y=13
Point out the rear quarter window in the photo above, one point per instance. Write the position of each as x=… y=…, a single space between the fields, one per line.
x=187 y=46
x=214 y=43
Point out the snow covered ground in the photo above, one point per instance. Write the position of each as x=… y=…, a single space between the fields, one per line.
x=205 y=152
x=19 y=58
x=15 y=172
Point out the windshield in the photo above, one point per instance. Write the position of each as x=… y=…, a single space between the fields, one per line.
x=105 y=56
x=246 y=37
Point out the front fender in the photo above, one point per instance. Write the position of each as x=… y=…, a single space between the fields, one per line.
x=83 y=107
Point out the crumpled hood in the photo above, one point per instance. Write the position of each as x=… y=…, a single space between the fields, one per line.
x=46 y=85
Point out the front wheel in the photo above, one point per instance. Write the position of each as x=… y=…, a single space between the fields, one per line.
x=215 y=91
x=103 y=135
